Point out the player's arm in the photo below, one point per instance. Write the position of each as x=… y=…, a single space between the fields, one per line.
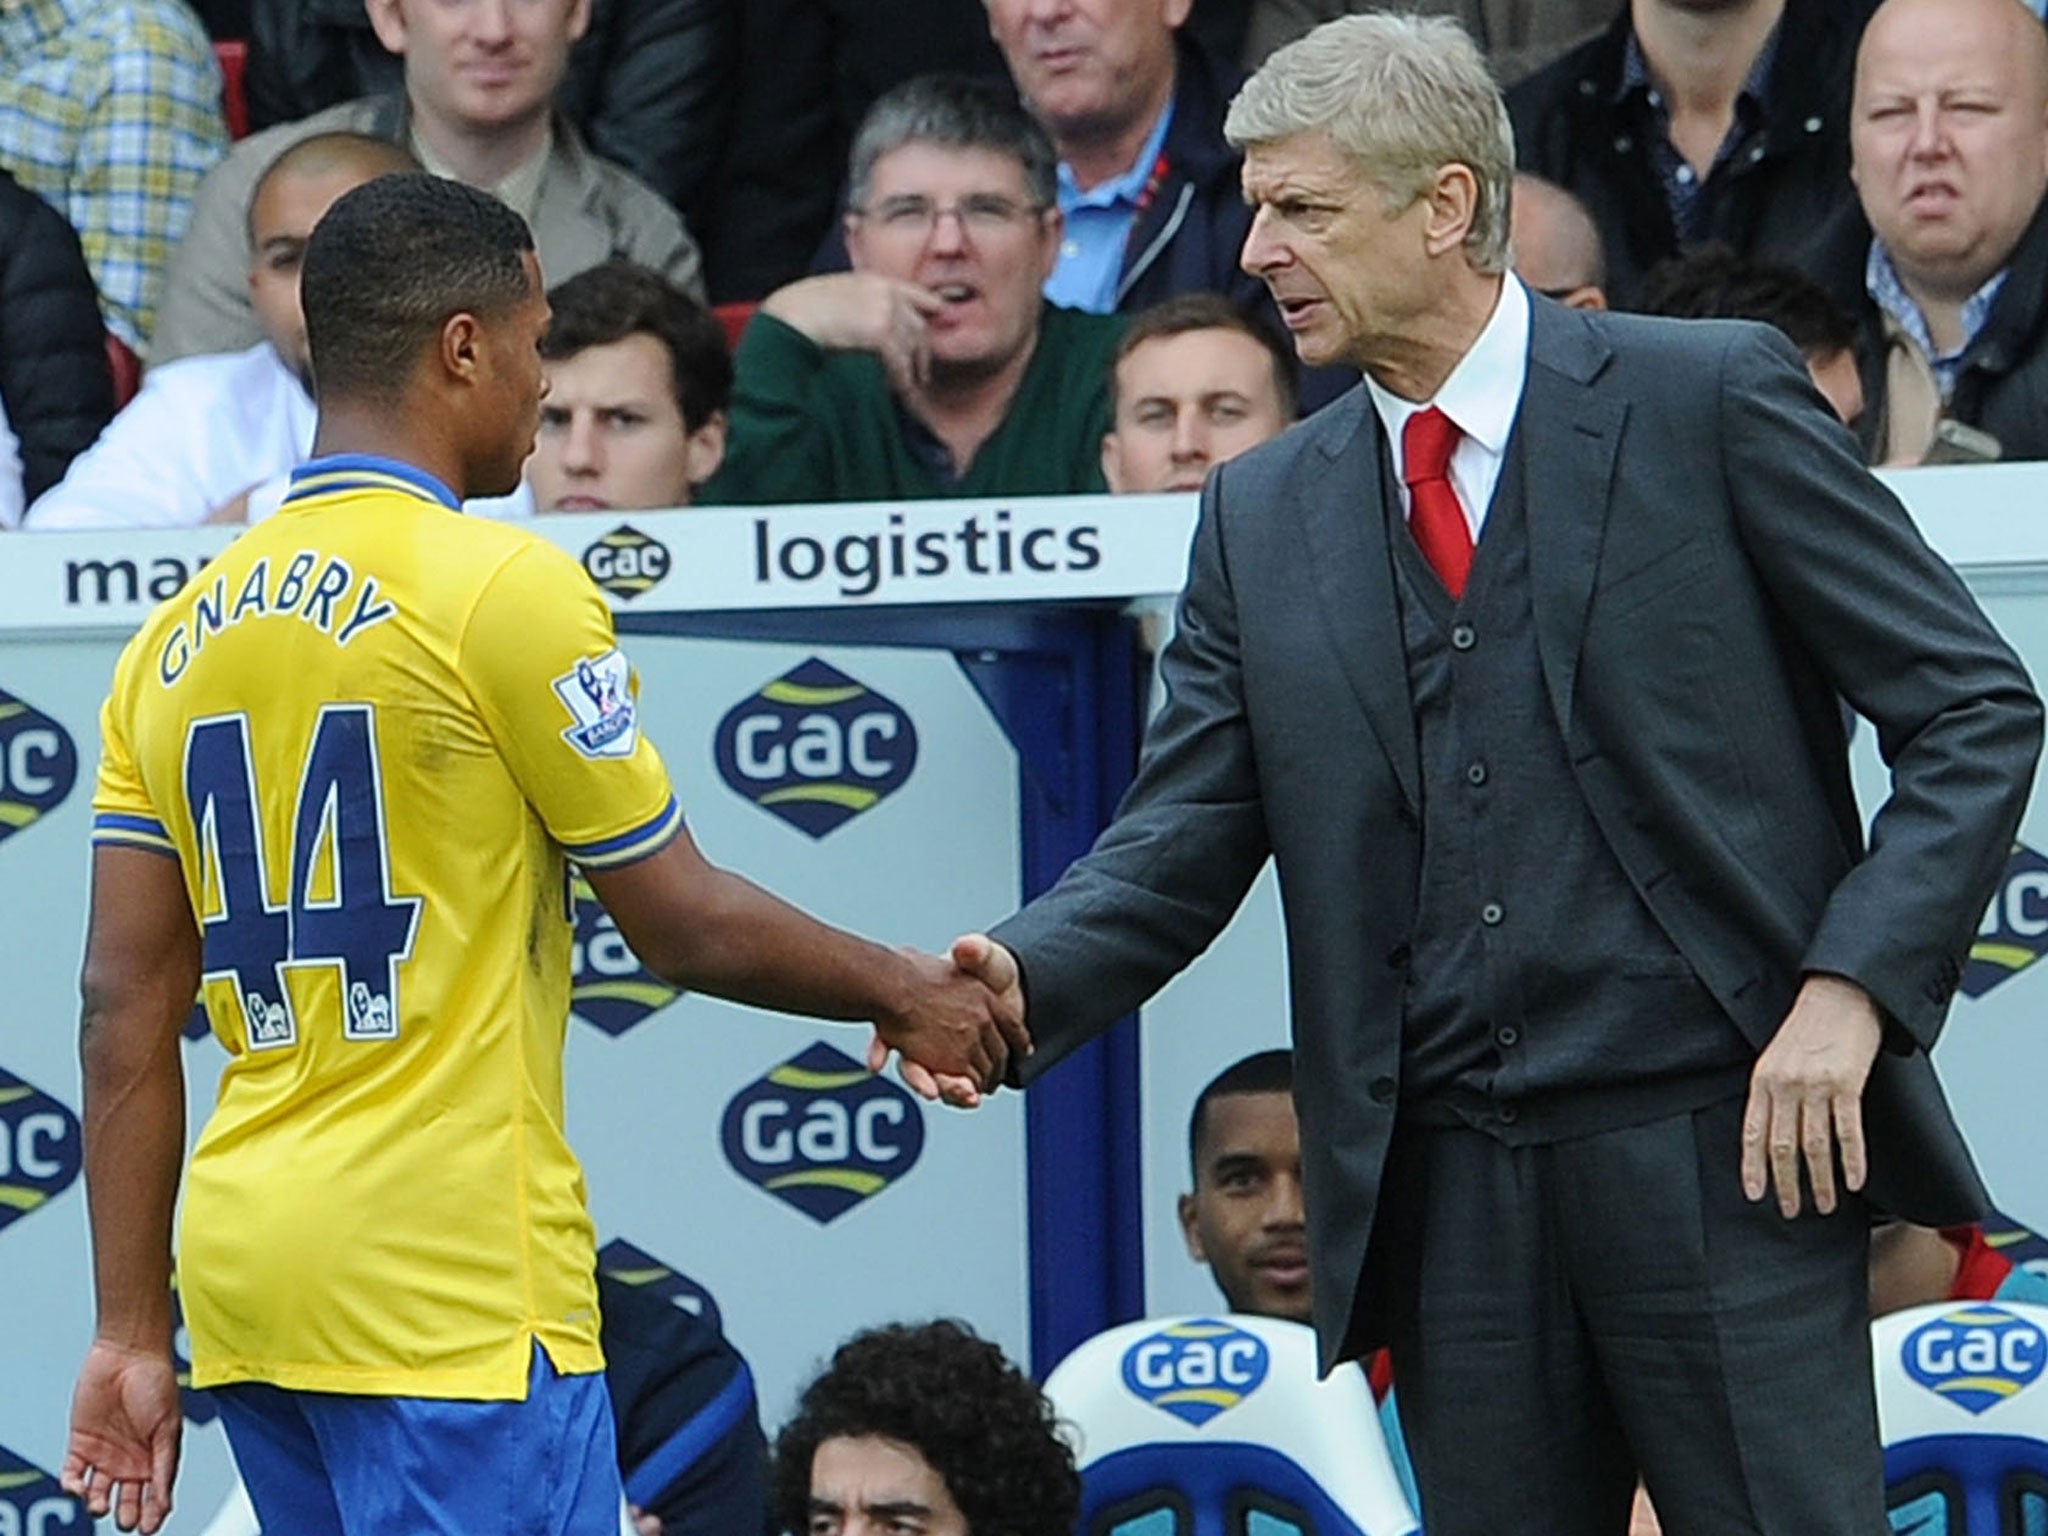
x=141 y=972
x=709 y=930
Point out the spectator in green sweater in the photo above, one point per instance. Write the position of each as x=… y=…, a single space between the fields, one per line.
x=934 y=367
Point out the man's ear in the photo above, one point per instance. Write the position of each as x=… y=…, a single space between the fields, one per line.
x=1112 y=476
x=387 y=20
x=1453 y=207
x=1190 y=1233
x=705 y=449
x=462 y=348
x=579 y=20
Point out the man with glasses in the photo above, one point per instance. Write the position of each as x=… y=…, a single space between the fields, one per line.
x=935 y=367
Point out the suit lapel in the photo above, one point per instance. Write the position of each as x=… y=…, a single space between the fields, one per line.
x=1344 y=519
x=1570 y=426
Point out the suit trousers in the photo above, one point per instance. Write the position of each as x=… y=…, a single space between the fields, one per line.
x=1574 y=1313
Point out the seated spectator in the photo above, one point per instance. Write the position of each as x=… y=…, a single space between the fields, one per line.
x=1519 y=36
x=935 y=367
x=1713 y=283
x=1243 y=1218
x=808 y=72
x=1147 y=184
x=480 y=82
x=1913 y=1265
x=1951 y=163
x=927 y=1429
x=205 y=429
x=110 y=111
x=1684 y=123
x=648 y=84
x=1557 y=248
x=1195 y=381
x=54 y=385
x=639 y=385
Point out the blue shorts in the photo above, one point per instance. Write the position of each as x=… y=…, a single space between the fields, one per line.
x=333 y=1464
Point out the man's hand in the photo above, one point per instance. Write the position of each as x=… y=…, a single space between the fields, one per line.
x=864 y=312
x=1806 y=1095
x=645 y=1522
x=956 y=1029
x=125 y=1423
x=979 y=956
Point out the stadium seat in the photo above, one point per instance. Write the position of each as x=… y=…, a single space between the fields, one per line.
x=734 y=318
x=233 y=58
x=126 y=368
x=1962 y=1408
x=1205 y=1426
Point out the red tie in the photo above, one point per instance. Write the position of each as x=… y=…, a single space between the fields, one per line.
x=1435 y=516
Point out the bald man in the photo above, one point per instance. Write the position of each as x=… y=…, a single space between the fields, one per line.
x=205 y=429
x=1557 y=248
x=1949 y=146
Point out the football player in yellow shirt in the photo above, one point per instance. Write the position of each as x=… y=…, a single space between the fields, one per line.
x=344 y=776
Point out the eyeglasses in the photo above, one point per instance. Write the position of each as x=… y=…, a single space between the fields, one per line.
x=981 y=215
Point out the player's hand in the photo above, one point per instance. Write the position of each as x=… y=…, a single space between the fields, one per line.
x=1806 y=1096
x=125 y=1424
x=980 y=956
x=645 y=1522
x=864 y=312
x=958 y=1044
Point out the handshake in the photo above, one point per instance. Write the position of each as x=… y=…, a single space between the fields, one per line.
x=961 y=1025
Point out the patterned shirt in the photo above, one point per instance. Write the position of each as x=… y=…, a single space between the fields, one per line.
x=110 y=110
x=1684 y=188
x=1888 y=291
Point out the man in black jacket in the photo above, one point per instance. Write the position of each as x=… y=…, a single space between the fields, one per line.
x=1950 y=130
x=1687 y=122
x=55 y=389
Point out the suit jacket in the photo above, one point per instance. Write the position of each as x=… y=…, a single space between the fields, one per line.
x=1711 y=569
x=589 y=211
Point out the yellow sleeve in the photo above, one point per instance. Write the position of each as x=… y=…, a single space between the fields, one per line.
x=559 y=697
x=122 y=813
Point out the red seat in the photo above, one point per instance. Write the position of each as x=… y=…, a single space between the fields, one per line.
x=734 y=318
x=233 y=58
x=126 y=368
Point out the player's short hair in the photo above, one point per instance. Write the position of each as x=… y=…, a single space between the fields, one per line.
x=617 y=299
x=1262 y=1072
x=388 y=266
x=1403 y=96
x=1186 y=312
x=955 y=112
x=341 y=150
x=977 y=1420
x=1712 y=282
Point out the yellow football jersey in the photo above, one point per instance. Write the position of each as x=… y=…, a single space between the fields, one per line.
x=370 y=732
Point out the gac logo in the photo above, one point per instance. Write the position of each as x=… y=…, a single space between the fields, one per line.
x=38 y=765
x=40 y=1149
x=816 y=748
x=31 y=1503
x=822 y=1133
x=608 y=986
x=1196 y=1370
x=2014 y=932
x=626 y=562
x=1975 y=1357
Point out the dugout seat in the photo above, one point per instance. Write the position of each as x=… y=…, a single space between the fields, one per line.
x=733 y=319
x=1962 y=1408
x=233 y=58
x=1217 y=1426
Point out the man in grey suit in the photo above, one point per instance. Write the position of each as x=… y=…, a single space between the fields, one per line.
x=1524 y=662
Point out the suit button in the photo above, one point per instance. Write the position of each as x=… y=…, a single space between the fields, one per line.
x=1463 y=637
x=1507 y=1036
x=1382 y=1090
x=1475 y=773
x=1398 y=957
x=1491 y=914
x=1507 y=1114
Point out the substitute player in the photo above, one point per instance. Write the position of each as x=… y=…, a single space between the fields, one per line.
x=343 y=775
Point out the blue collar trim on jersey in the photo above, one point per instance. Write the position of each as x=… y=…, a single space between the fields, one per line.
x=366 y=472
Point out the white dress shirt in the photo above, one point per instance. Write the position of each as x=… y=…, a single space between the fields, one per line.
x=201 y=431
x=11 y=493
x=1481 y=396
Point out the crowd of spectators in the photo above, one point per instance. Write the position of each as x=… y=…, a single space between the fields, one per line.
x=940 y=217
